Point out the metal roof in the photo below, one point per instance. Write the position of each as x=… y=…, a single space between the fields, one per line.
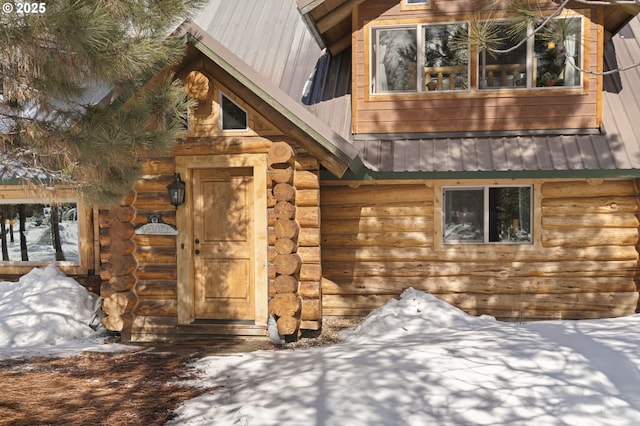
x=268 y=35
x=271 y=37
x=333 y=152
x=621 y=104
x=615 y=151
x=496 y=154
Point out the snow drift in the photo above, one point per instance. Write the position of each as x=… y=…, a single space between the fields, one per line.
x=48 y=313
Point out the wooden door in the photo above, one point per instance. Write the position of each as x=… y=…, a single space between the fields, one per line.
x=223 y=249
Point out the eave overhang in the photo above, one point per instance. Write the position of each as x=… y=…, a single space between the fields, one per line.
x=367 y=174
x=330 y=20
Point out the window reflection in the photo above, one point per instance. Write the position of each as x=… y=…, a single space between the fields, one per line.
x=33 y=232
x=234 y=117
x=487 y=214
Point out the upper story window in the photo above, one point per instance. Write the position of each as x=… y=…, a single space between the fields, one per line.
x=436 y=57
x=420 y=58
x=549 y=58
x=233 y=117
x=488 y=214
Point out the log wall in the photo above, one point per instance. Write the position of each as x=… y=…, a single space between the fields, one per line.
x=139 y=272
x=294 y=239
x=379 y=239
x=117 y=266
x=155 y=275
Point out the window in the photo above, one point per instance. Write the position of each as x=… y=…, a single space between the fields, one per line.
x=550 y=58
x=415 y=4
x=435 y=57
x=33 y=232
x=234 y=117
x=420 y=58
x=490 y=214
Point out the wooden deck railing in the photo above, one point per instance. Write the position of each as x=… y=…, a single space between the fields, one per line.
x=498 y=75
x=504 y=75
x=444 y=78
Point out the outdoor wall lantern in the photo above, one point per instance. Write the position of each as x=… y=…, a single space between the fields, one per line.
x=176 y=191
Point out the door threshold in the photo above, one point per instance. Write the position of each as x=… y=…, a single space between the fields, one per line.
x=221 y=329
x=222 y=321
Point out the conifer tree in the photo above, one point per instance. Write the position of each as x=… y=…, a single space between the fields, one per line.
x=71 y=108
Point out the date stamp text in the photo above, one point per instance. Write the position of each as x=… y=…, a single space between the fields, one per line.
x=24 y=8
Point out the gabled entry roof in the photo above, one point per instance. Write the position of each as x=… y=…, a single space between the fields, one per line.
x=334 y=152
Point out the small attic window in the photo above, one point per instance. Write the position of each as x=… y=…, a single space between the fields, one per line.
x=415 y=4
x=234 y=117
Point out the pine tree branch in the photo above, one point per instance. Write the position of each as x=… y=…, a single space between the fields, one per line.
x=555 y=14
x=535 y=31
x=54 y=65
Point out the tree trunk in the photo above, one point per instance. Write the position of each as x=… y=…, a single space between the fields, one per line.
x=55 y=233
x=3 y=236
x=22 y=217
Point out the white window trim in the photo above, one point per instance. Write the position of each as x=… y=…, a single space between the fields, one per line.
x=420 y=44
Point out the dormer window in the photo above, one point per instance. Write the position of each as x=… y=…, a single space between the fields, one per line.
x=420 y=58
x=233 y=117
x=436 y=57
x=550 y=58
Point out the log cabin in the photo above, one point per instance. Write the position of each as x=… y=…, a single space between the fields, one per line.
x=341 y=151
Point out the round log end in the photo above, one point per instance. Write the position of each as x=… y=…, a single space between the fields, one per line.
x=287 y=325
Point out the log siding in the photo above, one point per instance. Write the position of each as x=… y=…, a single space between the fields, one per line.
x=379 y=239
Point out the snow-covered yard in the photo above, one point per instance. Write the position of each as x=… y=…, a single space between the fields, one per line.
x=415 y=361
x=420 y=361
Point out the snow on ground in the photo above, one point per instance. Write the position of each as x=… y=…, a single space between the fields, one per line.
x=39 y=244
x=420 y=361
x=414 y=361
x=47 y=313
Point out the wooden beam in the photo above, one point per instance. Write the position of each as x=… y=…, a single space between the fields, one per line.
x=336 y=16
x=340 y=45
x=307 y=6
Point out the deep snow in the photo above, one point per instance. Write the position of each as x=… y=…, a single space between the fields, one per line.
x=420 y=361
x=414 y=361
x=47 y=313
